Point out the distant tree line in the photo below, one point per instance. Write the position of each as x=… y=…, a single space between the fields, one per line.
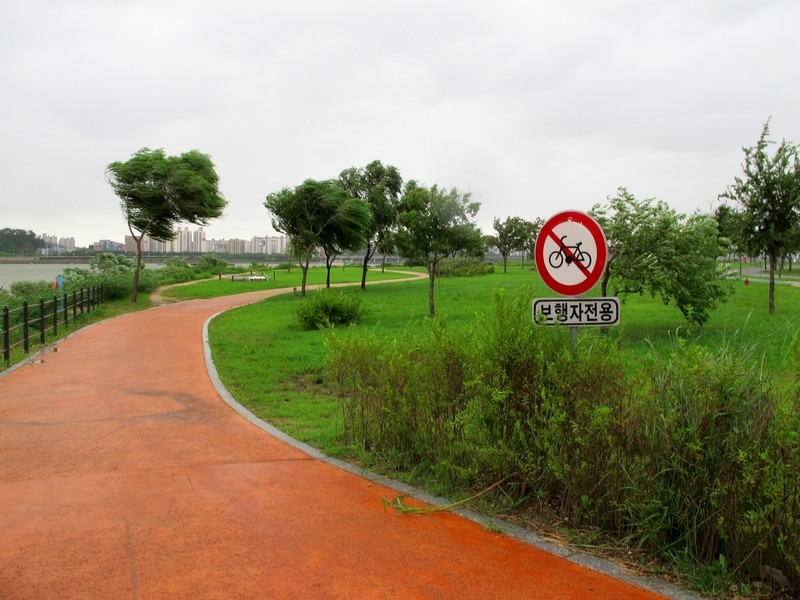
x=651 y=247
x=19 y=241
x=370 y=209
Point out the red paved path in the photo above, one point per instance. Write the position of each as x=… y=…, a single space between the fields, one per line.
x=123 y=474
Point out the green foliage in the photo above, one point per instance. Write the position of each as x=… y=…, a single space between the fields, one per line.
x=328 y=308
x=695 y=455
x=19 y=241
x=652 y=248
x=157 y=192
x=769 y=193
x=435 y=223
x=463 y=266
x=176 y=262
x=509 y=236
x=32 y=290
x=378 y=187
x=317 y=214
x=211 y=264
x=115 y=272
x=107 y=262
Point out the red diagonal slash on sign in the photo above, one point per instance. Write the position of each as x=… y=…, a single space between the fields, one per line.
x=569 y=253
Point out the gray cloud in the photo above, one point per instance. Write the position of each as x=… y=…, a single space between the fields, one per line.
x=531 y=106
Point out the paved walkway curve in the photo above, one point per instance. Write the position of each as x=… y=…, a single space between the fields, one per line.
x=123 y=474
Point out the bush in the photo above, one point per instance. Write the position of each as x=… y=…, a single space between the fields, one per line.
x=327 y=309
x=694 y=457
x=464 y=267
x=211 y=264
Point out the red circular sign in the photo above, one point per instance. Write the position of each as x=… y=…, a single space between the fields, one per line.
x=571 y=253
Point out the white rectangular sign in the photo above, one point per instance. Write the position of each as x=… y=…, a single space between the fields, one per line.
x=576 y=312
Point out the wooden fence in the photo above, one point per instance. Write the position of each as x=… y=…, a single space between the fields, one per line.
x=30 y=324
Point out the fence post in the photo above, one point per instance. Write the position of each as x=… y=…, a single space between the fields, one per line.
x=81 y=300
x=25 y=341
x=55 y=316
x=88 y=300
x=66 y=310
x=6 y=336
x=41 y=320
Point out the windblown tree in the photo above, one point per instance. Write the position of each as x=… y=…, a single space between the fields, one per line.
x=386 y=245
x=730 y=226
x=157 y=192
x=378 y=187
x=346 y=228
x=509 y=237
x=435 y=223
x=652 y=248
x=532 y=229
x=317 y=214
x=769 y=193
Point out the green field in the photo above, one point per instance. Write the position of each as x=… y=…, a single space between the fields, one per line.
x=265 y=337
x=278 y=279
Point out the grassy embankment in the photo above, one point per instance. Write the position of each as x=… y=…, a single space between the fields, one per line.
x=272 y=366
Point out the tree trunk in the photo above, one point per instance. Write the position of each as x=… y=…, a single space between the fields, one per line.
x=135 y=290
x=772 y=261
x=304 y=268
x=364 y=272
x=328 y=265
x=431 y=280
x=367 y=257
x=604 y=283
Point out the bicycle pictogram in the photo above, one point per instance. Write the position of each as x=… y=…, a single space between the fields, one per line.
x=569 y=254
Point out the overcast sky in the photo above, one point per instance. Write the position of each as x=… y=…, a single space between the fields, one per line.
x=532 y=106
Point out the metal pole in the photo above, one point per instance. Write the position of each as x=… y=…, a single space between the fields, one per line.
x=25 y=341
x=573 y=336
x=55 y=316
x=6 y=336
x=41 y=320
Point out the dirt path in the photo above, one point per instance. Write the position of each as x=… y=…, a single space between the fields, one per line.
x=124 y=474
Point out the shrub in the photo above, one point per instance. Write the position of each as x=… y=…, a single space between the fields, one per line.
x=210 y=264
x=695 y=456
x=464 y=267
x=718 y=469
x=327 y=309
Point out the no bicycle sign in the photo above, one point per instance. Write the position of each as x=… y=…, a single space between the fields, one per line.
x=571 y=253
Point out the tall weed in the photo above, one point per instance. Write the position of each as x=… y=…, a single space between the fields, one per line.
x=693 y=454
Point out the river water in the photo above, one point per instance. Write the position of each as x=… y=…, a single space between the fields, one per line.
x=9 y=273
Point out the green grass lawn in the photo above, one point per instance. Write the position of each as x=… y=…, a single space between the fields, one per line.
x=277 y=279
x=274 y=367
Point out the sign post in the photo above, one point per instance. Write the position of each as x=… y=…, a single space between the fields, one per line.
x=571 y=255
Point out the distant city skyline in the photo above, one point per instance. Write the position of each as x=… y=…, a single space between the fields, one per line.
x=83 y=240
x=186 y=241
